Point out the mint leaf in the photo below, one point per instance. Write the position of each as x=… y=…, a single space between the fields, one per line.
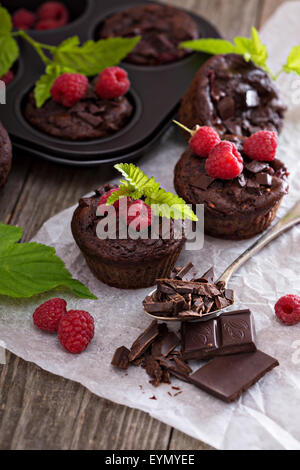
x=209 y=46
x=44 y=84
x=137 y=185
x=5 y=21
x=27 y=269
x=169 y=205
x=250 y=48
x=293 y=61
x=93 y=57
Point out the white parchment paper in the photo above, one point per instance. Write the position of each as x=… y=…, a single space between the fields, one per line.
x=267 y=416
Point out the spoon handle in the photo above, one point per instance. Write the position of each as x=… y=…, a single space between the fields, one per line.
x=287 y=222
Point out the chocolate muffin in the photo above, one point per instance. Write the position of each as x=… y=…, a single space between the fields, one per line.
x=122 y=263
x=90 y=118
x=5 y=155
x=233 y=96
x=162 y=28
x=234 y=209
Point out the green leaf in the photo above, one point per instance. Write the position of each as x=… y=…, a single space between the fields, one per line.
x=93 y=57
x=137 y=185
x=250 y=48
x=5 y=21
x=293 y=61
x=44 y=84
x=209 y=46
x=115 y=196
x=166 y=204
x=9 y=235
x=9 y=52
x=27 y=269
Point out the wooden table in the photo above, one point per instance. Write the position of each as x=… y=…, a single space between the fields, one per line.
x=39 y=410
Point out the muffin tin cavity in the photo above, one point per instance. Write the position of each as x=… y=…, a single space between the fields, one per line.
x=75 y=8
x=155 y=92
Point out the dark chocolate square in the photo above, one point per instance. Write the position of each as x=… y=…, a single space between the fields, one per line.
x=228 y=377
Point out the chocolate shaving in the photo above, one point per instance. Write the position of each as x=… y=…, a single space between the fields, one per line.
x=143 y=342
x=121 y=358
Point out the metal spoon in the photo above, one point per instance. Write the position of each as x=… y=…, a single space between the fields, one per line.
x=287 y=222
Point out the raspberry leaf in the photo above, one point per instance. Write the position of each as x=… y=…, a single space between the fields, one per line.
x=28 y=269
x=93 y=56
x=209 y=46
x=115 y=196
x=5 y=21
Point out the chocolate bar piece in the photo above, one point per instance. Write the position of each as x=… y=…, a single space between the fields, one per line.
x=231 y=333
x=142 y=343
x=177 y=367
x=165 y=344
x=228 y=377
x=121 y=358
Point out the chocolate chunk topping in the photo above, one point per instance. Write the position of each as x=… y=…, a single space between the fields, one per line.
x=189 y=296
x=256 y=167
x=264 y=179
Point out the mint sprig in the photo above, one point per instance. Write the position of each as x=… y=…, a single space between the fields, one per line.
x=250 y=48
x=88 y=59
x=9 y=49
x=137 y=185
x=28 y=269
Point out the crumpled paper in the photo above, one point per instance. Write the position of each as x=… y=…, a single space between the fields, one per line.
x=267 y=416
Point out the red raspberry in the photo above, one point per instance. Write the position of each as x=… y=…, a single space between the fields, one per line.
x=141 y=214
x=261 y=146
x=204 y=140
x=287 y=309
x=112 y=83
x=105 y=197
x=23 y=19
x=224 y=161
x=8 y=77
x=44 y=25
x=76 y=330
x=69 y=88
x=55 y=11
x=47 y=316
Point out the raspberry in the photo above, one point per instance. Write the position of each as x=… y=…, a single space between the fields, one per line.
x=23 y=19
x=224 y=161
x=46 y=24
x=69 y=88
x=8 y=77
x=141 y=214
x=105 y=197
x=261 y=146
x=76 y=330
x=54 y=11
x=203 y=141
x=287 y=309
x=47 y=316
x=112 y=83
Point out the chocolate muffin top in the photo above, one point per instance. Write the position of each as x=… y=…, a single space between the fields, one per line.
x=90 y=118
x=84 y=224
x=5 y=155
x=162 y=28
x=260 y=186
x=234 y=97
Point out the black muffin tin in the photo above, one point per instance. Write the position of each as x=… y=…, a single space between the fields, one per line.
x=155 y=92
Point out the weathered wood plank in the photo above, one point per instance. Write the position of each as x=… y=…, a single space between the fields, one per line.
x=39 y=411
